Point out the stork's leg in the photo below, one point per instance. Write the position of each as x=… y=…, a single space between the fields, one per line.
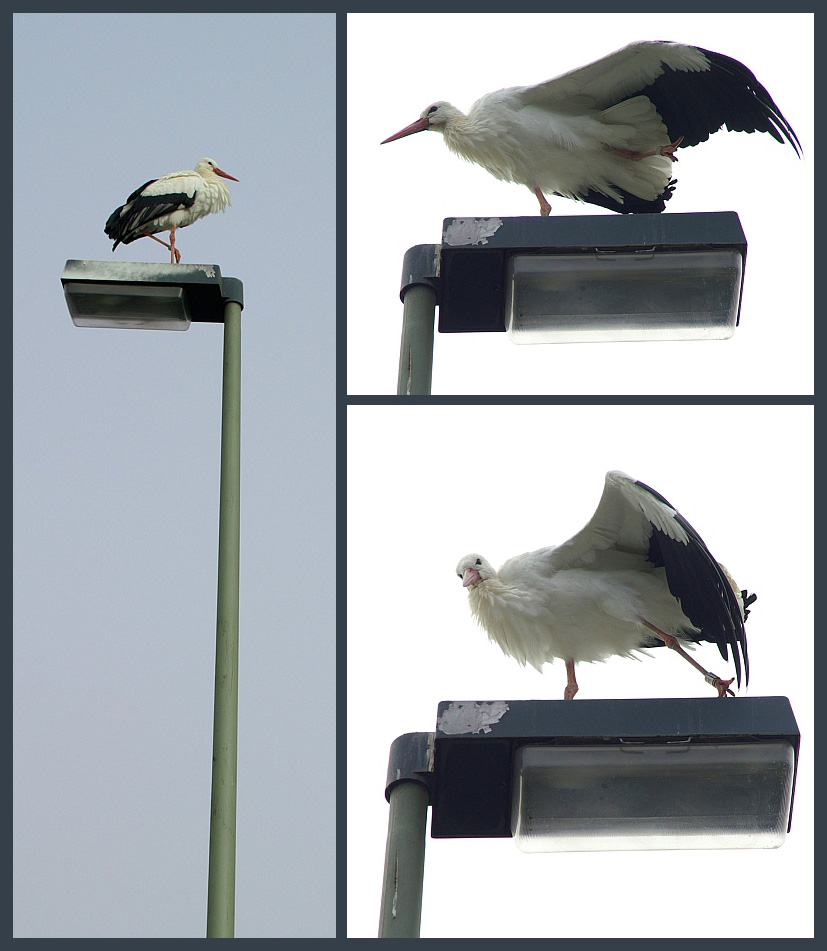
x=668 y=150
x=146 y=234
x=665 y=150
x=571 y=684
x=175 y=254
x=722 y=686
x=545 y=207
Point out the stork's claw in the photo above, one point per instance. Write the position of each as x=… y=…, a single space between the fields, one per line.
x=668 y=150
x=665 y=150
x=722 y=686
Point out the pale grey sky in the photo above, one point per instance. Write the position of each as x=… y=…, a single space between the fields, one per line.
x=116 y=478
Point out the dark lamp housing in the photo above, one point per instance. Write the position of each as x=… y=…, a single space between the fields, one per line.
x=593 y=278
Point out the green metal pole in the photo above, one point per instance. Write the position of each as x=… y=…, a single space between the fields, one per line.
x=401 y=909
x=416 y=355
x=221 y=883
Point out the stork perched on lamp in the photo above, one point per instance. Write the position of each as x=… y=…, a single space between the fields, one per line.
x=637 y=576
x=607 y=133
x=169 y=202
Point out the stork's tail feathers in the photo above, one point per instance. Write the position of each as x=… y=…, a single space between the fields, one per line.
x=630 y=203
x=110 y=229
x=747 y=600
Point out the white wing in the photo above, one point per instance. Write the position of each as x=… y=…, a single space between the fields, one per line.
x=695 y=91
x=623 y=522
x=615 y=77
x=175 y=183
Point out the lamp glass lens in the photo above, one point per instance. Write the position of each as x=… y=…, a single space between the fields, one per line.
x=652 y=796
x=127 y=306
x=643 y=295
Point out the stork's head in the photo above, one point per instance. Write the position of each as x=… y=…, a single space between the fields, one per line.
x=474 y=569
x=435 y=117
x=207 y=168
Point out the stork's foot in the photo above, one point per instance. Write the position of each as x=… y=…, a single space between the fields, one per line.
x=545 y=211
x=722 y=686
x=665 y=150
x=668 y=150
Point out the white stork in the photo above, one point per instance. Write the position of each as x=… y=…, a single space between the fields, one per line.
x=637 y=576
x=169 y=202
x=606 y=133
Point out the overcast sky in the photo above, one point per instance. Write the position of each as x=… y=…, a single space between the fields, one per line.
x=117 y=464
x=399 y=194
x=505 y=480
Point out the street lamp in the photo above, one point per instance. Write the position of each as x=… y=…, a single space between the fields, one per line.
x=588 y=775
x=584 y=279
x=170 y=297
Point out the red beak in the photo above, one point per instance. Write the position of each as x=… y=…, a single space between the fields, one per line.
x=471 y=576
x=419 y=126
x=224 y=174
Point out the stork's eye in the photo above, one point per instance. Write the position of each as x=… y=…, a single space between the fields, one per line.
x=432 y=109
x=459 y=574
x=478 y=561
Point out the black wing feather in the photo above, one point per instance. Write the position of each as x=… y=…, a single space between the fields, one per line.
x=705 y=595
x=126 y=223
x=137 y=192
x=696 y=104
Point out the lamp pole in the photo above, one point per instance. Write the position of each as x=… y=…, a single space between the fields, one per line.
x=419 y=298
x=221 y=881
x=408 y=790
x=416 y=354
x=401 y=908
x=169 y=297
